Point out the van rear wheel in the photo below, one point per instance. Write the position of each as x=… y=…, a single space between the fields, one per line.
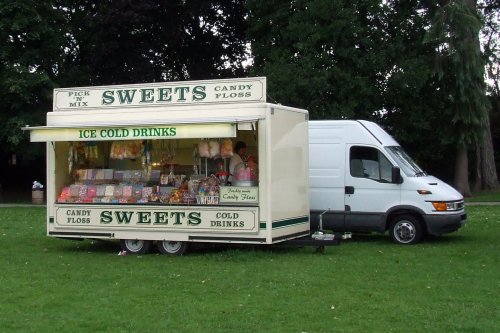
x=406 y=229
x=135 y=246
x=172 y=248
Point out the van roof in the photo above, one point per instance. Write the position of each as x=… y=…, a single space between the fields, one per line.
x=372 y=129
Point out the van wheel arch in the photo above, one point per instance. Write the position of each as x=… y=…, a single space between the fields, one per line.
x=405 y=210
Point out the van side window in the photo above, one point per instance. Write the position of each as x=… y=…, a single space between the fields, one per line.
x=368 y=162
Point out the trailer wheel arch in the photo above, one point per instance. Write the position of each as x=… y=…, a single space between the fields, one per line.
x=172 y=248
x=135 y=246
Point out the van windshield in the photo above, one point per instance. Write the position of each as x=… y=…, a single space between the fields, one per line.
x=405 y=162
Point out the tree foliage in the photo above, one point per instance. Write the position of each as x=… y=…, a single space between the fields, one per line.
x=31 y=44
x=368 y=59
x=321 y=55
x=54 y=43
x=455 y=32
x=115 y=42
x=490 y=34
x=339 y=59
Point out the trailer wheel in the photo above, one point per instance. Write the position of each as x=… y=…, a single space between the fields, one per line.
x=172 y=248
x=406 y=229
x=135 y=246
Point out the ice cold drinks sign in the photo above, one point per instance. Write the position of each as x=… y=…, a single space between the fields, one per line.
x=134 y=132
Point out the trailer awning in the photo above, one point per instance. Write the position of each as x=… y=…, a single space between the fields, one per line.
x=110 y=132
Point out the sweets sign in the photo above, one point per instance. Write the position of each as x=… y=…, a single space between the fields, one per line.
x=247 y=90
x=161 y=218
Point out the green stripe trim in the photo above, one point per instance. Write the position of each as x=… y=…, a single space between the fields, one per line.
x=290 y=222
x=286 y=223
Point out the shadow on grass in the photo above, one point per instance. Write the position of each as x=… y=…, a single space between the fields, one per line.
x=201 y=249
x=194 y=249
x=380 y=239
x=89 y=245
x=368 y=238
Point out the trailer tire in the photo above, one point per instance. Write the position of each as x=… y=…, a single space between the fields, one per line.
x=135 y=246
x=173 y=248
x=406 y=229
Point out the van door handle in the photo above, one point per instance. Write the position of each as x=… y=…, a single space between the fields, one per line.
x=349 y=190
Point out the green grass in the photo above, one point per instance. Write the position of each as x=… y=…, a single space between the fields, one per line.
x=484 y=196
x=367 y=284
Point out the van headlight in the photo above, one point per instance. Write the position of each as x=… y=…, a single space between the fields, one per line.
x=446 y=206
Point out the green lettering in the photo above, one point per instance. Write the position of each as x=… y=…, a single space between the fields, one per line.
x=144 y=217
x=106 y=217
x=147 y=95
x=126 y=96
x=107 y=97
x=122 y=217
x=161 y=217
x=194 y=218
x=182 y=91
x=164 y=94
x=199 y=93
x=177 y=216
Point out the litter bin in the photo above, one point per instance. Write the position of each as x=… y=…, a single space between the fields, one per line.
x=37 y=197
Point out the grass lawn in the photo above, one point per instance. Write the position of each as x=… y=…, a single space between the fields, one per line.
x=367 y=284
x=484 y=196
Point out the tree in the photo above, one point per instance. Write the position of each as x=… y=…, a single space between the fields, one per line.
x=414 y=99
x=116 y=42
x=54 y=43
x=486 y=173
x=491 y=42
x=325 y=56
x=354 y=59
x=455 y=30
x=31 y=45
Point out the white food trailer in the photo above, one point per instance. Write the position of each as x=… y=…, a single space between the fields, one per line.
x=148 y=164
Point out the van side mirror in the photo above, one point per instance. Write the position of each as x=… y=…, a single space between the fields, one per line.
x=396 y=175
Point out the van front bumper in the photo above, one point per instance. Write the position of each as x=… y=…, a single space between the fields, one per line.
x=442 y=224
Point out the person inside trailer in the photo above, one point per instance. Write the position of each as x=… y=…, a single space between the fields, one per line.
x=239 y=156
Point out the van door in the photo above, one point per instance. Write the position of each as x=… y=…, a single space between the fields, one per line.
x=369 y=192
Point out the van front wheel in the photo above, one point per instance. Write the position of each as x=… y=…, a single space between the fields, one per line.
x=406 y=229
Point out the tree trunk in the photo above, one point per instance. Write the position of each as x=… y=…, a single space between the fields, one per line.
x=479 y=174
x=486 y=173
x=462 y=172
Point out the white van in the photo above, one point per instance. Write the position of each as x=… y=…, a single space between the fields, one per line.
x=361 y=180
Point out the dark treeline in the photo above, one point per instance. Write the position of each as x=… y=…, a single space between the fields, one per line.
x=415 y=67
